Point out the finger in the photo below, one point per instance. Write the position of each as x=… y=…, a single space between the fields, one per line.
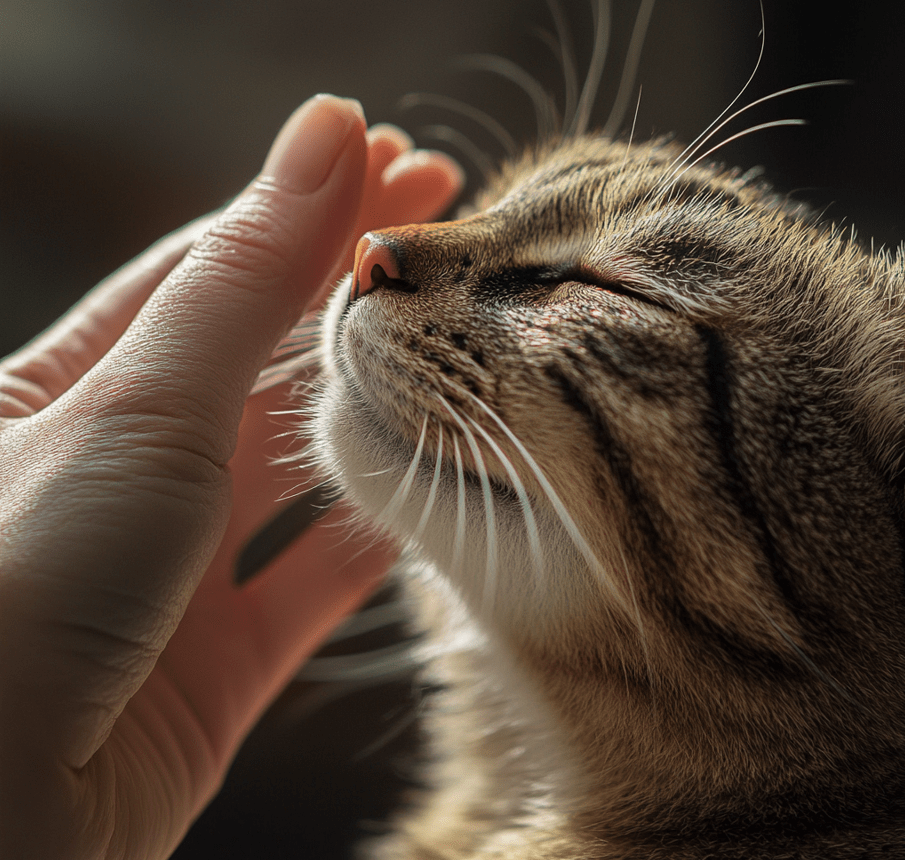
x=128 y=466
x=56 y=359
x=198 y=343
x=385 y=143
x=50 y=364
x=414 y=185
x=418 y=185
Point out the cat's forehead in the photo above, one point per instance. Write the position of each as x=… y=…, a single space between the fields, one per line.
x=596 y=177
x=692 y=234
x=650 y=200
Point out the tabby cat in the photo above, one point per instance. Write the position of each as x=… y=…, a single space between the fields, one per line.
x=640 y=420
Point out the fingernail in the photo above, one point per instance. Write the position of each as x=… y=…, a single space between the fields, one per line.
x=310 y=143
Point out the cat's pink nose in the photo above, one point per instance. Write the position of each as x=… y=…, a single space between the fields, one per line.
x=375 y=265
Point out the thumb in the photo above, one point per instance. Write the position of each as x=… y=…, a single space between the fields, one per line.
x=201 y=339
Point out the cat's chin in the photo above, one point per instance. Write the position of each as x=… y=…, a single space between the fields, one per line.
x=441 y=513
x=371 y=445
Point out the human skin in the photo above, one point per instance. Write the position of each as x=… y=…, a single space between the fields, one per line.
x=133 y=467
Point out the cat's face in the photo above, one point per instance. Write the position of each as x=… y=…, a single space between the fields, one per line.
x=661 y=385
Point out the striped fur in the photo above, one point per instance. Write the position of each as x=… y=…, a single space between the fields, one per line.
x=643 y=425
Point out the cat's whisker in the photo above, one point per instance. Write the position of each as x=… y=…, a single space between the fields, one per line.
x=296 y=353
x=582 y=115
x=464 y=144
x=295 y=345
x=357 y=525
x=800 y=654
x=531 y=528
x=287 y=370
x=777 y=123
x=479 y=117
x=459 y=539
x=305 y=332
x=636 y=613
x=566 y=57
x=631 y=136
x=307 y=485
x=375 y=474
x=629 y=70
x=543 y=104
x=303 y=457
x=492 y=552
x=561 y=511
x=432 y=492
x=401 y=495
x=715 y=125
x=682 y=162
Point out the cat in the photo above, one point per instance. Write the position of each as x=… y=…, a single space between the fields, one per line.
x=639 y=418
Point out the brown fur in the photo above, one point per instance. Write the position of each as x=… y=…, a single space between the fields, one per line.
x=721 y=414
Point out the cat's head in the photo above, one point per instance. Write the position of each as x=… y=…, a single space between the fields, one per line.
x=636 y=407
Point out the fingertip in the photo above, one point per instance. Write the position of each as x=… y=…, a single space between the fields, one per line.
x=420 y=186
x=433 y=165
x=311 y=142
x=385 y=143
x=384 y=134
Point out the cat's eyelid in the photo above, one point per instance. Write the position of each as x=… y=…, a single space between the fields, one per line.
x=687 y=297
x=615 y=275
x=623 y=286
x=577 y=256
x=621 y=281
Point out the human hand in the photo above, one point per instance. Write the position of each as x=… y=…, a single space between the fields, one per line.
x=131 y=472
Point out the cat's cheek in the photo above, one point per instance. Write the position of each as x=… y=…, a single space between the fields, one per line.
x=363 y=457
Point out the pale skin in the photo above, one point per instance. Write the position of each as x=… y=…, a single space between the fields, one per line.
x=133 y=466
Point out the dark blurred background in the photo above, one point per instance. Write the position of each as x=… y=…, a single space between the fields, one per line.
x=122 y=119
